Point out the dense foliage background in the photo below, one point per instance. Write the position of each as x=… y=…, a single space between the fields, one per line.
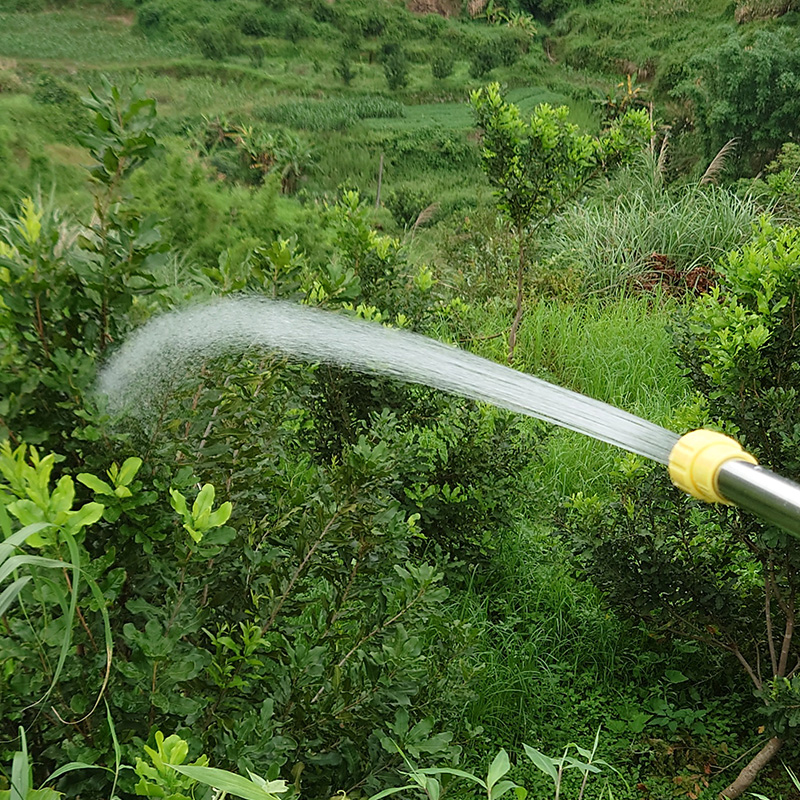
x=293 y=571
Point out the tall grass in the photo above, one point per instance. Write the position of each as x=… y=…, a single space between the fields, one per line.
x=544 y=638
x=614 y=236
x=617 y=351
x=333 y=114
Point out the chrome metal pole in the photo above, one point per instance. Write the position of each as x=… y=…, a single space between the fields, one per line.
x=769 y=496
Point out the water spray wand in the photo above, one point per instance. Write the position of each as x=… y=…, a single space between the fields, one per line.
x=713 y=467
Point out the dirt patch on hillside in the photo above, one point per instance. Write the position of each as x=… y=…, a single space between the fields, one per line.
x=125 y=20
x=660 y=275
x=763 y=9
x=445 y=8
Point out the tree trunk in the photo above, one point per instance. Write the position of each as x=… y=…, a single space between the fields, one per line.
x=512 y=336
x=746 y=777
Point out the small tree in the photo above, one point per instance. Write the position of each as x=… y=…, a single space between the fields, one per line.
x=442 y=65
x=68 y=291
x=537 y=167
x=395 y=65
x=711 y=574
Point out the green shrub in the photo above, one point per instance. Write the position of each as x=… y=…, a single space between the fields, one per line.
x=51 y=91
x=442 y=65
x=684 y=567
x=748 y=91
x=297 y=26
x=256 y=54
x=395 y=65
x=344 y=68
x=502 y=47
x=406 y=203
x=218 y=43
x=260 y=22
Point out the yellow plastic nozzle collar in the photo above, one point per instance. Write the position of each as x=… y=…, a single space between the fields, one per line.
x=695 y=461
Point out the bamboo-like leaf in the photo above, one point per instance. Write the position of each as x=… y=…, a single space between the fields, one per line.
x=15 y=562
x=229 y=782
x=793 y=776
x=501 y=788
x=71 y=767
x=9 y=594
x=459 y=773
x=14 y=541
x=66 y=640
x=716 y=167
x=390 y=792
x=543 y=762
x=21 y=770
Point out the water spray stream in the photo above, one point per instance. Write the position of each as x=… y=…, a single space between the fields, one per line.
x=151 y=357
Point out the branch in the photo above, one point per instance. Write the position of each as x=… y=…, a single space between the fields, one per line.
x=302 y=565
x=746 y=777
x=787 y=637
x=374 y=632
x=768 y=613
x=744 y=662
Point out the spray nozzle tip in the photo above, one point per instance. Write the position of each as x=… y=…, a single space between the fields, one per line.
x=695 y=461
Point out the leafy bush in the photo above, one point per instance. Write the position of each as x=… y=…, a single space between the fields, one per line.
x=218 y=43
x=442 y=65
x=406 y=203
x=779 y=189
x=395 y=65
x=297 y=26
x=260 y=22
x=748 y=92
x=502 y=48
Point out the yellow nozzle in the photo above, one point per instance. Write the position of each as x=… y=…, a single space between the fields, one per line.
x=696 y=458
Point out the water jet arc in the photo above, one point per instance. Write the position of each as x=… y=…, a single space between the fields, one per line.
x=706 y=464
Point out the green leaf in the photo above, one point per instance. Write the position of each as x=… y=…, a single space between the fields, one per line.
x=390 y=792
x=459 y=773
x=15 y=562
x=21 y=770
x=86 y=515
x=8 y=546
x=178 y=502
x=501 y=788
x=499 y=767
x=9 y=594
x=204 y=501
x=94 y=483
x=543 y=762
x=221 y=515
x=128 y=470
x=673 y=676
x=5 y=520
x=231 y=783
x=71 y=767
